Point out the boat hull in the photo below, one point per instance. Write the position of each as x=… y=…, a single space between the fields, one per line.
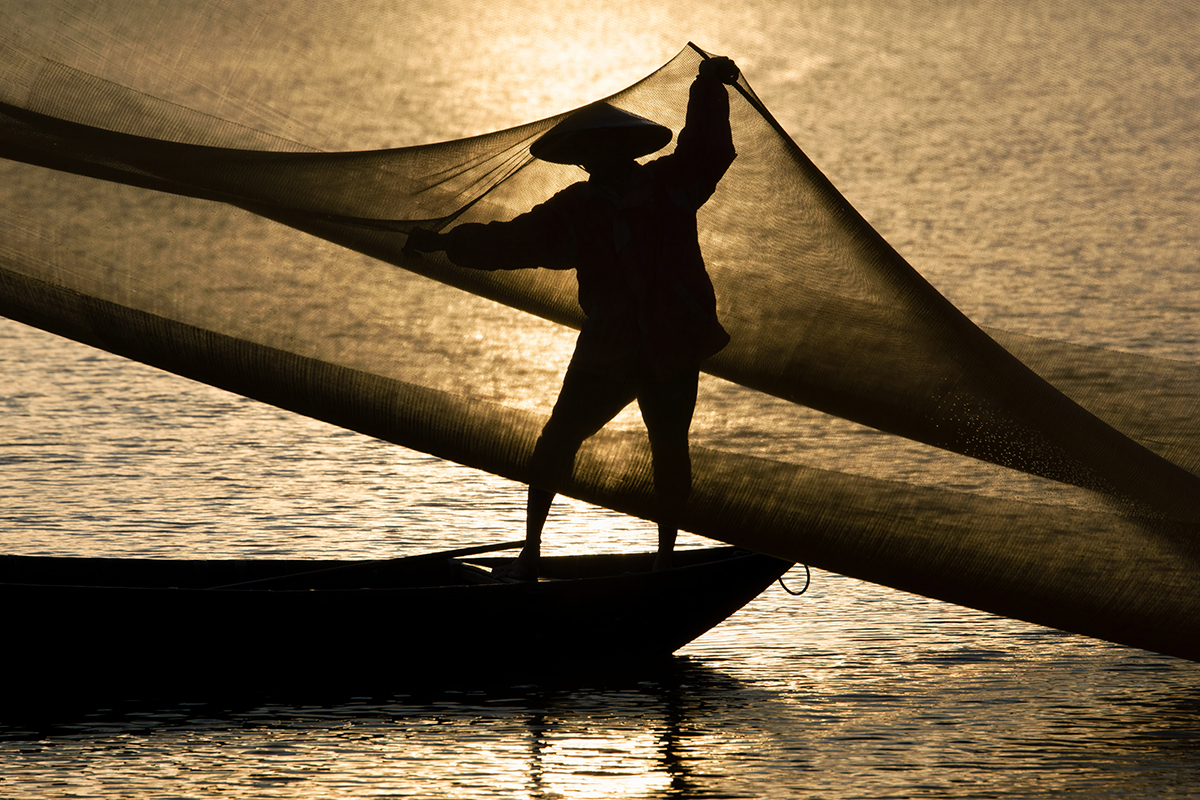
x=140 y=628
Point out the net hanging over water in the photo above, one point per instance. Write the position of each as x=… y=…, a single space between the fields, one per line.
x=821 y=311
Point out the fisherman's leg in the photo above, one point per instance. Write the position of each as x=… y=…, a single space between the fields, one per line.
x=667 y=408
x=587 y=401
x=537 y=508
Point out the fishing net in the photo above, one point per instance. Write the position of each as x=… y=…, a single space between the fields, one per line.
x=152 y=181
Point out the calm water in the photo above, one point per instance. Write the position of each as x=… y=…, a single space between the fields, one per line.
x=1037 y=164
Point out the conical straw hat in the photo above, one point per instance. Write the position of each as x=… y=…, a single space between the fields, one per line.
x=600 y=125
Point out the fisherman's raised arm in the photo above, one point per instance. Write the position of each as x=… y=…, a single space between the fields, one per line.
x=705 y=148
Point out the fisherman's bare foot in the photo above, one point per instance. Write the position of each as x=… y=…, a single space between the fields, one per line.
x=523 y=568
x=662 y=561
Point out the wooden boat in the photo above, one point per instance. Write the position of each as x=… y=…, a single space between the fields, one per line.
x=135 y=627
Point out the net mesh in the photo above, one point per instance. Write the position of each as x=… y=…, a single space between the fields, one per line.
x=822 y=312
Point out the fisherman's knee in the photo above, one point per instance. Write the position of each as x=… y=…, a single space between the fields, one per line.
x=553 y=458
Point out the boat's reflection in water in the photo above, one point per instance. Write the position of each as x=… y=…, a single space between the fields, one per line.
x=649 y=736
x=833 y=718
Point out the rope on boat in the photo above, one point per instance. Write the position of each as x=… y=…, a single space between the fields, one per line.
x=807 y=581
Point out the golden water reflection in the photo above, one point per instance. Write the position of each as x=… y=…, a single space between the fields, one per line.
x=596 y=764
x=642 y=740
x=947 y=722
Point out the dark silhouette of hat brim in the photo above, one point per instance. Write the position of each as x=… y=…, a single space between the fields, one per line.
x=600 y=127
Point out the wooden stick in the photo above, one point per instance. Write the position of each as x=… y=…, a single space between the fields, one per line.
x=382 y=562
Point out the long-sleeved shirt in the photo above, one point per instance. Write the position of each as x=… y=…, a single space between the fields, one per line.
x=643 y=286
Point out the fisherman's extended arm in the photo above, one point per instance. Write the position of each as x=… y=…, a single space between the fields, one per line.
x=537 y=238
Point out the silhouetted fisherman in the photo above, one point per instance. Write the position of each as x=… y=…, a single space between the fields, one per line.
x=629 y=231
